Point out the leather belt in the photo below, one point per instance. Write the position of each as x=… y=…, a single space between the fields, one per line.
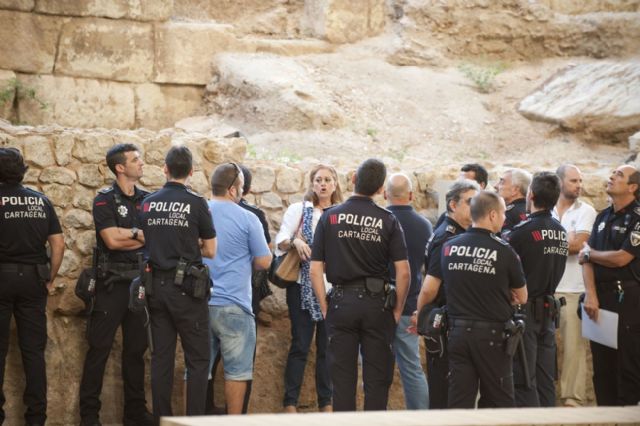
x=17 y=267
x=351 y=285
x=463 y=323
x=164 y=273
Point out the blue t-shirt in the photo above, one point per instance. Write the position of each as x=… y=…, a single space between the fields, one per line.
x=240 y=239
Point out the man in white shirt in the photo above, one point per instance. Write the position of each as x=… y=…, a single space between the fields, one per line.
x=577 y=218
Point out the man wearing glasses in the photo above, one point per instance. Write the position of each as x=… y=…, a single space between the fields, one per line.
x=242 y=244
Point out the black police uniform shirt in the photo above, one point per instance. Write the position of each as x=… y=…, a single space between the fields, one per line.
x=173 y=219
x=356 y=240
x=542 y=244
x=113 y=208
x=261 y=217
x=27 y=218
x=448 y=229
x=417 y=232
x=617 y=231
x=515 y=213
x=479 y=270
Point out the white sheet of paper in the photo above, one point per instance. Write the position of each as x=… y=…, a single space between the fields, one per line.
x=605 y=331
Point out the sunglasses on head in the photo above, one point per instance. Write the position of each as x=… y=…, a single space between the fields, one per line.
x=238 y=171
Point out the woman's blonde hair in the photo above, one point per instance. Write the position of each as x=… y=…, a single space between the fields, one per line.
x=336 y=197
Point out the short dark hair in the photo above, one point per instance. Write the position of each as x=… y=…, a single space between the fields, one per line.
x=224 y=178
x=458 y=188
x=116 y=156
x=483 y=203
x=545 y=187
x=370 y=176
x=481 y=175
x=12 y=166
x=248 y=177
x=179 y=162
x=634 y=179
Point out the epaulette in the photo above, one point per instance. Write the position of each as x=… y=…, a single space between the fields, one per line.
x=637 y=211
x=106 y=190
x=500 y=240
x=383 y=208
x=521 y=224
x=451 y=229
x=192 y=192
x=509 y=207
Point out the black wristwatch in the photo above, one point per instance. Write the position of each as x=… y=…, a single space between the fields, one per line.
x=134 y=233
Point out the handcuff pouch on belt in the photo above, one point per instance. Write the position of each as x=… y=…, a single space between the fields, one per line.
x=432 y=324
x=85 y=288
x=194 y=280
x=513 y=332
x=377 y=287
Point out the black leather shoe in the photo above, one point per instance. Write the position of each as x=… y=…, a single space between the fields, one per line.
x=146 y=419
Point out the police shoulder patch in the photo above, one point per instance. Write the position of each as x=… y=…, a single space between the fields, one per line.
x=521 y=224
x=451 y=229
x=498 y=239
x=105 y=190
x=510 y=206
x=637 y=211
x=634 y=237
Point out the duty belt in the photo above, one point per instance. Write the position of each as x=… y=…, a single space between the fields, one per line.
x=616 y=285
x=351 y=285
x=122 y=266
x=17 y=267
x=164 y=273
x=463 y=323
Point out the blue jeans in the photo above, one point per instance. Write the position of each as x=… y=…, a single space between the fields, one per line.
x=233 y=333
x=302 y=331
x=407 y=351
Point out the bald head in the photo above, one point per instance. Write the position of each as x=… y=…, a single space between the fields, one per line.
x=398 y=189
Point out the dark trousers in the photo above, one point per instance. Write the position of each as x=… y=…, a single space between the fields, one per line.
x=302 y=330
x=477 y=355
x=540 y=347
x=24 y=296
x=616 y=373
x=173 y=313
x=437 y=372
x=357 y=323
x=110 y=312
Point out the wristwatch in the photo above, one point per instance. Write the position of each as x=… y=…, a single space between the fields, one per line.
x=586 y=256
x=134 y=233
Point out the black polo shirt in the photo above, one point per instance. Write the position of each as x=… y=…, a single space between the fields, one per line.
x=448 y=229
x=543 y=247
x=479 y=270
x=27 y=218
x=357 y=239
x=417 y=232
x=113 y=208
x=617 y=231
x=516 y=212
x=173 y=219
x=261 y=217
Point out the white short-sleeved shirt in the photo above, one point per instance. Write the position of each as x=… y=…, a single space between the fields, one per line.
x=578 y=218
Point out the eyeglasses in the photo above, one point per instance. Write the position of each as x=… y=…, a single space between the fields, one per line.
x=238 y=171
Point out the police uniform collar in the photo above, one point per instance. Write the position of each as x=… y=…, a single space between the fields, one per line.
x=627 y=208
x=360 y=198
x=136 y=192
x=518 y=201
x=540 y=213
x=479 y=231
x=11 y=185
x=174 y=184
x=399 y=207
x=453 y=223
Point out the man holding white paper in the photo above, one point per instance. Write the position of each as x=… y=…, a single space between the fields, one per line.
x=611 y=271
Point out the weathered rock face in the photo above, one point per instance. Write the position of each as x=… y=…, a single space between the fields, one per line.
x=601 y=98
x=7 y=83
x=344 y=21
x=278 y=92
x=576 y=7
x=158 y=105
x=142 y=10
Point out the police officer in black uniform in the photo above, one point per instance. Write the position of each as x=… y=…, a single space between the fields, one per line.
x=512 y=187
x=482 y=279
x=178 y=230
x=473 y=171
x=543 y=247
x=355 y=241
x=116 y=216
x=611 y=270
x=457 y=220
x=27 y=222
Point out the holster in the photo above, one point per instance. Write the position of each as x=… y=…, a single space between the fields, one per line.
x=433 y=325
x=198 y=282
x=390 y=297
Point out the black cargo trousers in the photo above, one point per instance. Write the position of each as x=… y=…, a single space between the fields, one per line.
x=24 y=295
x=359 y=322
x=111 y=310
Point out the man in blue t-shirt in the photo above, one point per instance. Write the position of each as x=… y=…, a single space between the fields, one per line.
x=241 y=245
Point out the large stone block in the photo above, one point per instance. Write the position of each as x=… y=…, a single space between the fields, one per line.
x=60 y=195
x=289 y=180
x=104 y=48
x=28 y=41
x=153 y=177
x=7 y=93
x=141 y=10
x=38 y=151
x=160 y=106
x=57 y=175
x=23 y=5
x=89 y=175
x=184 y=50
x=77 y=102
x=263 y=179
x=91 y=147
x=76 y=218
x=63 y=146
x=344 y=21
